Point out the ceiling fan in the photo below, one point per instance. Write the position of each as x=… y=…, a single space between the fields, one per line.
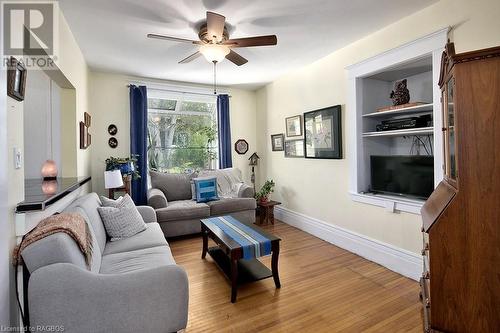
x=215 y=44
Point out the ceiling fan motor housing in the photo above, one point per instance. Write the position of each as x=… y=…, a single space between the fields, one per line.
x=203 y=34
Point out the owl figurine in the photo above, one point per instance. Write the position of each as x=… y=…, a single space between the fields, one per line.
x=400 y=94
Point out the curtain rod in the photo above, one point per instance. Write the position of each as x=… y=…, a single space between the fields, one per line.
x=182 y=92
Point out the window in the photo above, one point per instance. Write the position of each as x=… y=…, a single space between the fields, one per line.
x=182 y=132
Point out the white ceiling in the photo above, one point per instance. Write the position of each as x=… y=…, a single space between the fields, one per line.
x=112 y=34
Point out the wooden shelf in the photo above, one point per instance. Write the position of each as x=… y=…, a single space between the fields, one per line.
x=403 y=132
x=410 y=110
x=248 y=270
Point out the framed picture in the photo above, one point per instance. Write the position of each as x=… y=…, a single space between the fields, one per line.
x=87 y=119
x=323 y=133
x=294 y=148
x=278 y=142
x=241 y=146
x=84 y=136
x=16 y=79
x=293 y=126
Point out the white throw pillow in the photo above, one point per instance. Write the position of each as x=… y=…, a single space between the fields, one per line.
x=121 y=218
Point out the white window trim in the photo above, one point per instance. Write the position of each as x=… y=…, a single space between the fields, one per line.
x=155 y=88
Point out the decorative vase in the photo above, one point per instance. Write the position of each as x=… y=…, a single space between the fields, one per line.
x=127 y=168
x=264 y=199
x=49 y=170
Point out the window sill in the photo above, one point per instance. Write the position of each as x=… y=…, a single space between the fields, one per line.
x=390 y=203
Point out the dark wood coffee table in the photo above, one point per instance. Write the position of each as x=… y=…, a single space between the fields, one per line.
x=228 y=255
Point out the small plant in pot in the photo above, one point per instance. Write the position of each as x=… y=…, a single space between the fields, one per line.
x=263 y=194
x=127 y=165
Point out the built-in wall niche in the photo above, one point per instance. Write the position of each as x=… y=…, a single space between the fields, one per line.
x=370 y=85
x=376 y=95
x=49 y=123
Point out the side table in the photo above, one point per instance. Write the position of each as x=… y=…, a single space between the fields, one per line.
x=266 y=211
x=127 y=184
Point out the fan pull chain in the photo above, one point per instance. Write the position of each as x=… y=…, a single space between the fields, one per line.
x=215 y=78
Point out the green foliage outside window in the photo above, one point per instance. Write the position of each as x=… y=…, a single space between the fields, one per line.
x=182 y=139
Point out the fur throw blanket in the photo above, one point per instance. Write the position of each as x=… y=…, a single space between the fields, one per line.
x=72 y=224
x=229 y=181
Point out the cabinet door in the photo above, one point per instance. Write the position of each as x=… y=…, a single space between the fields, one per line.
x=451 y=171
x=444 y=110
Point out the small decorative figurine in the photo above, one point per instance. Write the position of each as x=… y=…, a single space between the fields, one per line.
x=400 y=94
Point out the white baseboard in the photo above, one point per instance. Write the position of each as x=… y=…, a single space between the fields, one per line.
x=396 y=259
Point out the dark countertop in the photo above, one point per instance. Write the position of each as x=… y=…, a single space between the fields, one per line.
x=35 y=199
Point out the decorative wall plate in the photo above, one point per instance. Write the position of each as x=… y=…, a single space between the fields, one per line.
x=112 y=142
x=112 y=129
x=241 y=146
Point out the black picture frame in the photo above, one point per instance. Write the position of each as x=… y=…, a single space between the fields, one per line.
x=278 y=142
x=241 y=146
x=327 y=144
x=294 y=148
x=16 y=79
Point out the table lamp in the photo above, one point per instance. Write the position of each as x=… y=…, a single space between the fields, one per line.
x=113 y=179
x=49 y=170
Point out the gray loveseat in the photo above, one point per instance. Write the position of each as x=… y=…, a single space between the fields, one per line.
x=133 y=285
x=178 y=214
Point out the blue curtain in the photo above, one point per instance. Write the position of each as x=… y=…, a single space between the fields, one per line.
x=138 y=140
x=225 y=160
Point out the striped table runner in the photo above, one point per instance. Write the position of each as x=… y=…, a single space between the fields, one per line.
x=254 y=244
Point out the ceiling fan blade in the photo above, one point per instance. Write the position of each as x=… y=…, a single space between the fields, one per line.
x=190 y=58
x=252 y=41
x=215 y=25
x=236 y=58
x=173 y=39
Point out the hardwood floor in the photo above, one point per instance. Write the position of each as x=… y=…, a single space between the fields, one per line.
x=324 y=289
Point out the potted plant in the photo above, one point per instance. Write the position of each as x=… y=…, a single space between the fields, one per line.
x=127 y=165
x=267 y=188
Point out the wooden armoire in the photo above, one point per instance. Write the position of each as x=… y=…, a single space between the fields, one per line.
x=460 y=286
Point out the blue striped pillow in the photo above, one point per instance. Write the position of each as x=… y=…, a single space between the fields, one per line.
x=206 y=189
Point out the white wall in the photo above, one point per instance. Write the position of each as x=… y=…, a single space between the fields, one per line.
x=15 y=185
x=319 y=188
x=74 y=68
x=110 y=105
x=243 y=109
x=6 y=229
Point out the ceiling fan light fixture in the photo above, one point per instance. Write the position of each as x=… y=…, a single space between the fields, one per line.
x=214 y=52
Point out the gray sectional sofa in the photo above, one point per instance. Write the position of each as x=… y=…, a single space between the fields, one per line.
x=133 y=285
x=178 y=214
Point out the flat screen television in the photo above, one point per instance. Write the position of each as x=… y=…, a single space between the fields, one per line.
x=411 y=176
